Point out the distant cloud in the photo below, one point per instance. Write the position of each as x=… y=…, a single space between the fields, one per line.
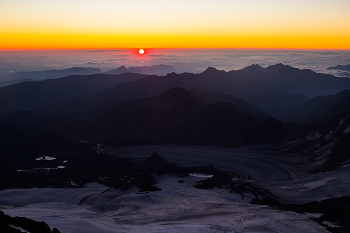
x=104 y=51
x=183 y=61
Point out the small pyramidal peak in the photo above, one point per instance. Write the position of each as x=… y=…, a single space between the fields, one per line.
x=280 y=66
x=253 y=67
x=122 y=69
x=171 y=74
x=210 y=70
x=156 y=159
x=156 y=164
x=155 y=155
x=175 y=91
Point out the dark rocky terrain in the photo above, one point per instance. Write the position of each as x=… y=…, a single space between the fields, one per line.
x=10 y=224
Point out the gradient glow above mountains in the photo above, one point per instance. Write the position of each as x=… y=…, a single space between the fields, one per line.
x=38 y=24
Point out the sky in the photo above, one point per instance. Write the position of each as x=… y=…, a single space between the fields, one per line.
x=113 y=24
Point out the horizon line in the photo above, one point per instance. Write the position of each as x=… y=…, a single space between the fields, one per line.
x=170 y=48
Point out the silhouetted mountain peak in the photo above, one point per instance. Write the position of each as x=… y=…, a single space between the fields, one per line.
x=156 y=156
x=211 y=71
x=150 y=70
x=119 y=70
x=253 y=68
x=156 y=164
x=340 y=67
x=175 y=91
x=122 y=68
x=280 y=67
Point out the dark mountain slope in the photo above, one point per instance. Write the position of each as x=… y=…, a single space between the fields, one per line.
x=309 y=111
x=53 y=74
x=275 y=89
x=325 y=112
x=236 y=84
x=25 y=121
x=213 y=97
x=308 y=82
x=35 y=95
x=175 y=116
x=151 y=119
x=328 y=141
x=219 y=123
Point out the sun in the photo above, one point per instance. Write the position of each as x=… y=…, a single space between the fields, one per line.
x=141 y=51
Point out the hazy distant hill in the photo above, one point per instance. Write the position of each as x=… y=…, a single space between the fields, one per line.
x=52 y=74
x=340 y=67
x=150 y=70
x=320 y=108
x=35 y=95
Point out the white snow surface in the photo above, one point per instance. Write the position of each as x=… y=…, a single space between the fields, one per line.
x=347 y=130
x=180 y=207
x=48 y=158
x=313 y=136
x=343 y=120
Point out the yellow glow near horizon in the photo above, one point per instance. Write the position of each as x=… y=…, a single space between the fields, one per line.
x=29 y=41
x=63 y=24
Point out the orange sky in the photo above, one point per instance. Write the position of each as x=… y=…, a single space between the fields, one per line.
x=108 y=24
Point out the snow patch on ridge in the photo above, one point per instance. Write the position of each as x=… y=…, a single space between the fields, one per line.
x=48 y=158
x=313 y=135
x=347 y=130
x=343 y=120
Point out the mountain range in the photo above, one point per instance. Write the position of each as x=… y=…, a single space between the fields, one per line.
x=340 y=67
x=275 y=89
x=150 y=70
x=35 y=95
x=50 y=74
x=69 y=132
x=131 y=108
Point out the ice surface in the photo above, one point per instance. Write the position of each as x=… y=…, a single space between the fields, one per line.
x=201 y=175
x=343 y=120
x=178 y=207
x=283 y=175
x=328 y=135
x=347 y=130
x=313 y=136
x=45 y=158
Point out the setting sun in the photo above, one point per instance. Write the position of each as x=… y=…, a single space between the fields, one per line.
x=141 y=51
